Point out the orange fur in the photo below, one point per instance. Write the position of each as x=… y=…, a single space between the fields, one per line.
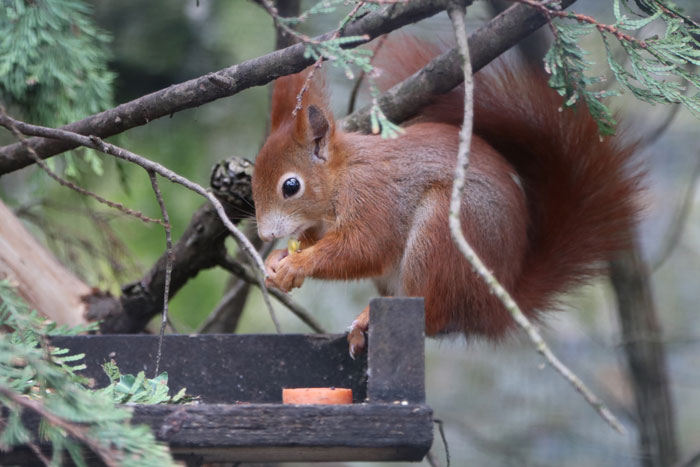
x=546 y=201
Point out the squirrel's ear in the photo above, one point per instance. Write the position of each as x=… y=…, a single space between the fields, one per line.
x=319 y=129
x=318 y=124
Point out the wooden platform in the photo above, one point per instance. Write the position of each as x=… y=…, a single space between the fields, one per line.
x=240 y=379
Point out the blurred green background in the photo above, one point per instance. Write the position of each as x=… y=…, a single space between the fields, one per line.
x=499 y=404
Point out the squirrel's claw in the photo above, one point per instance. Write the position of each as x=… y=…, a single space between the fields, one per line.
x=356 y=339
x=289 y=274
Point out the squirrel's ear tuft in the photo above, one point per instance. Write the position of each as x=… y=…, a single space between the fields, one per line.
x=318 y=124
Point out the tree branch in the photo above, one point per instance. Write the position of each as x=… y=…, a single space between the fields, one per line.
x=216 y=85
x=107 y=148
x=444 y=72
x=646 y=358
x=168 y=264
x=679 y=220
x=67 y=183
x=457 y=14
x=239 y=270
x=106 y=454
x=150 y=166
x=399 y=103
x=198 y=248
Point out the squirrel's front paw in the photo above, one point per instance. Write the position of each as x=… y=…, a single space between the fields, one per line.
x=356 y=339
x=273 y=260
x=290 y=273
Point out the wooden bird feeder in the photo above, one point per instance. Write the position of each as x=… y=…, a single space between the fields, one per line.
x=240 y=378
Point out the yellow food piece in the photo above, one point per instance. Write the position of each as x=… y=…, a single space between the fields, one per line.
x=293 y=245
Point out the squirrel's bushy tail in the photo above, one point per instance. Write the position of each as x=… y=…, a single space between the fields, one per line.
x=582 y=192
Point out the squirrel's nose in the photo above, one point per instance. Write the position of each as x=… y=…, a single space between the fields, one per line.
x=266 y=235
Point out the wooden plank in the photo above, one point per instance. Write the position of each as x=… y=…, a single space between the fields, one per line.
x=276 y=433
x=396 y=348
x=272 y=432
x=223 y=368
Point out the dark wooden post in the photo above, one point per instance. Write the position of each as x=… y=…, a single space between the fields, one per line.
x=396 y=350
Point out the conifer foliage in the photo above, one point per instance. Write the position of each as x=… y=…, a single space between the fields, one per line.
x=37 y=377
x=657 y=67
x=53 y=63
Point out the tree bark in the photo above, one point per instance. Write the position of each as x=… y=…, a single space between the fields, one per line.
x=200 y=247
x=642 y=341
x=398 y=103
x=445 y=72
x=41 y=280
x=228 y=312
x=213 y=86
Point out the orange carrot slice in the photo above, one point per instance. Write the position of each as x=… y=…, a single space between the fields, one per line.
x=317 y=396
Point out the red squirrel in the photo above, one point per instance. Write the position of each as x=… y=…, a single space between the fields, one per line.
x=547 y=201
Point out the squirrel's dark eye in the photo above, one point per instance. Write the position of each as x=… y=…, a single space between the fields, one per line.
x=290 y=187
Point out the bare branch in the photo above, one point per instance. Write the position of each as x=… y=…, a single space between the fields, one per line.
x=215 y=316
x=199 y=247
x=216 y=85
x=96 y=143
x=40 y=455
x=680 y=218
x=239 y=270
x=168 y=264
x=6 y=121
x=646 y=357
x=444 y=72
x=441 y=430
x=457 y=14
x=361 y=78
x=650 y=138
x=281 y=26
x=106 y=454
x=398 y=103
x=545 y=9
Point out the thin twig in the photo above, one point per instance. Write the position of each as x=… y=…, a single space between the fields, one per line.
x=398 y=104
x=7 y=122
x=107 y=455
x=549 y=13
x=168 y=264
x=268 y=5
x=97 y=143
x=444 y=72
x=651 y=137
x=680 y=219
x=224 y=303
x=35 y=449
x=386 y=2
x=307 y=84
x=268 y=304
x=361 y=78
x=456 y=13
x=441 y=430
x=227 y=313
x=40 y=455
x=241 y=271
x=283 y=27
